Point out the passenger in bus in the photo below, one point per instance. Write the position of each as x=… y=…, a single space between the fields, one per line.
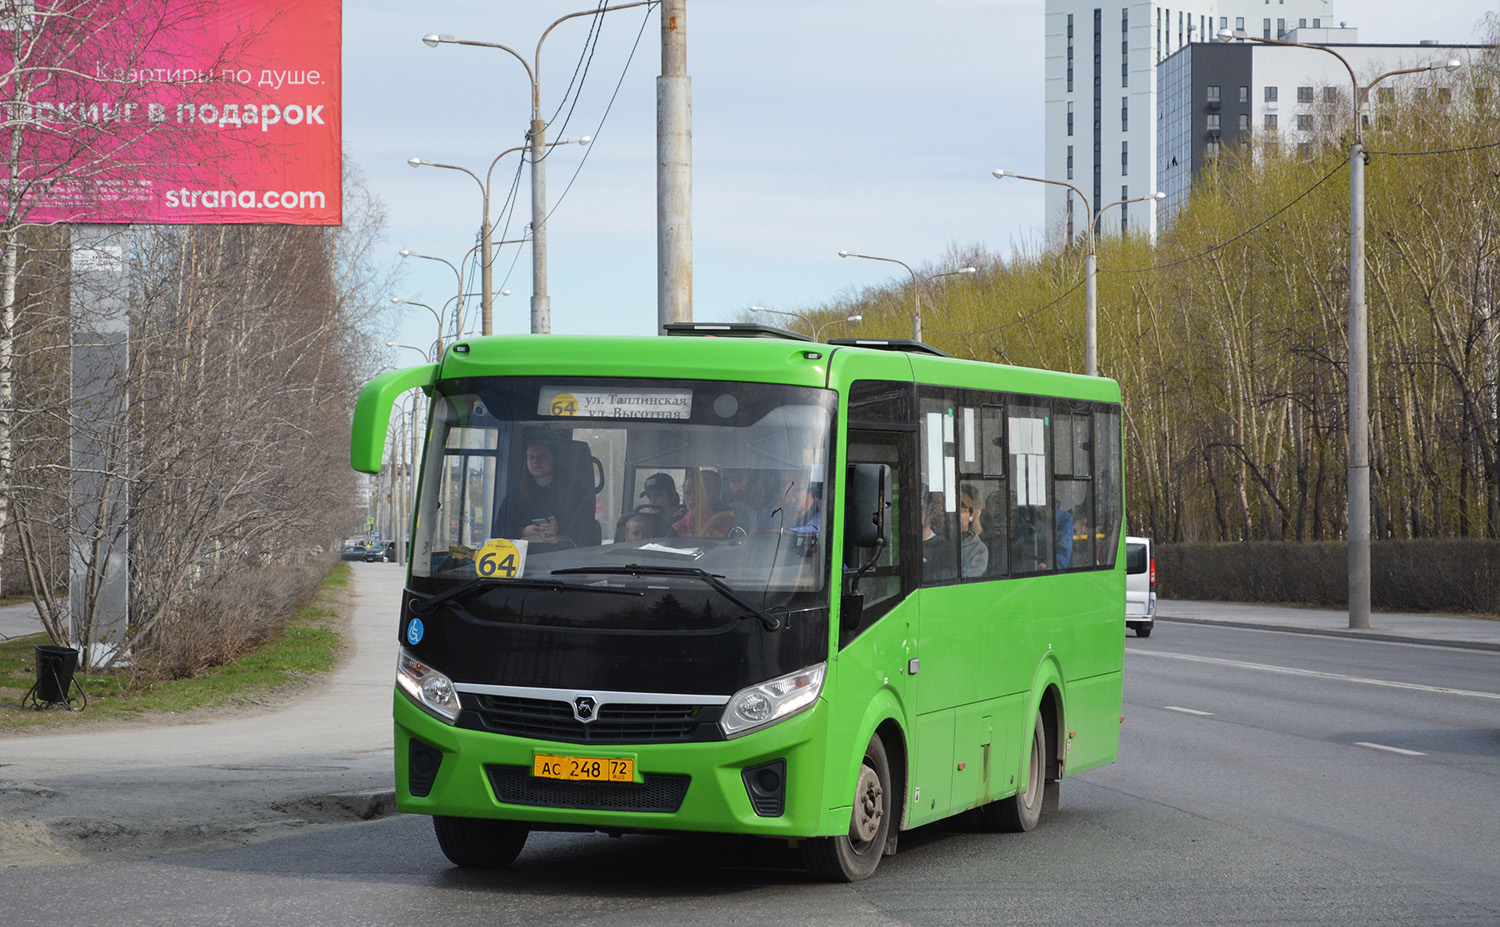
x=738 y=495
x=1064 y=536
x=640 y=527
x=994 y=522
x=797 y=505
x=660 y=490
x=540 y=506
x=974 y=556
x=707 y=516
x=1032 y=547
x=937 y=554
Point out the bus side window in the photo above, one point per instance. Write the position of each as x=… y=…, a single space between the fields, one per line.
x=1107 y=485
x=1031 y=512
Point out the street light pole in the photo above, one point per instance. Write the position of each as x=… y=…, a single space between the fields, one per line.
x=1090 y=264
x=950 y=273
x=406 y=253
x=1090 y=269
x=541 y=303
x=1359 y=334
x=486 y=244
x=916 y=290
x=438 y=349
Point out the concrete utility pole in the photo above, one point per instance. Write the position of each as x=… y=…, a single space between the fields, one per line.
x=674 y=171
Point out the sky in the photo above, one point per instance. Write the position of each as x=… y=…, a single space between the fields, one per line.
x=817 y=126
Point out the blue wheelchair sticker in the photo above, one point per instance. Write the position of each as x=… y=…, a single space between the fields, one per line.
x=414 y=632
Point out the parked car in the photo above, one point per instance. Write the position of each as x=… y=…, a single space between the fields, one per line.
x=354 y=552
x=1140 y=586
x=383 y=551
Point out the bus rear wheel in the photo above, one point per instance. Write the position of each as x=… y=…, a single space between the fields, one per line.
x=1020 y=812
x=853 y=856
x=479 y=843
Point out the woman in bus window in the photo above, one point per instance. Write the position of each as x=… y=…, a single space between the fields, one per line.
x=540 y=507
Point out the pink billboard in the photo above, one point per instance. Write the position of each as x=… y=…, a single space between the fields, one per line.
x=176 y=111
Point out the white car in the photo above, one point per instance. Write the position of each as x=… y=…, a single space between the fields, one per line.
x=1140 y=586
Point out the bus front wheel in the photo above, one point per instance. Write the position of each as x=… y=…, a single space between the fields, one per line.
x=854 y=856
x=479 y=843
x=1020 y=812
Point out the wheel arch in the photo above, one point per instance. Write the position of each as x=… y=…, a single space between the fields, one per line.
x=883 y=719
x=1049 y=701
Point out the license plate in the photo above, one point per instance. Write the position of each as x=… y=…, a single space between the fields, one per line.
x=585 y=768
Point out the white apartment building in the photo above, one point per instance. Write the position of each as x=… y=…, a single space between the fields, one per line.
x=1215 y=95
x=1101 y=94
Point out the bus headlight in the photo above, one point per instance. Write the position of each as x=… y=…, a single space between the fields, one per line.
x=427 y=687
x=767 y=703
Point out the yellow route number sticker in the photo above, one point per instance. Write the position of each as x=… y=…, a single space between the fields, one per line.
x=501 y=558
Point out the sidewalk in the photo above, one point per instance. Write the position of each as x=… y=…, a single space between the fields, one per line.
x=130 y=790
x=135 y=790
x=1440 y=630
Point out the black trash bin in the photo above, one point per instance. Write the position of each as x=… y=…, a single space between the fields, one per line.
x=54 y=673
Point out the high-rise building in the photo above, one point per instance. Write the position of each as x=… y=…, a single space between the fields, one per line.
x=1101 y=94
x=1212 y=96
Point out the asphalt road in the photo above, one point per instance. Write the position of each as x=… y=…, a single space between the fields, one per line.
x=1264 y=778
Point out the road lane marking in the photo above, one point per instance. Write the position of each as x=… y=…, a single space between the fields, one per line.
x=1365 y=743
x=1189 y=711
x=1315 y=674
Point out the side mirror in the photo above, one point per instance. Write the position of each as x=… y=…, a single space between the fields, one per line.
x=866 y=503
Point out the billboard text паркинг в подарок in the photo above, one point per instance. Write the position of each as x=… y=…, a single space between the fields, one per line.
x=179 y=111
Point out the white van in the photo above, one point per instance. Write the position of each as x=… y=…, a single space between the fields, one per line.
x=1140 y=586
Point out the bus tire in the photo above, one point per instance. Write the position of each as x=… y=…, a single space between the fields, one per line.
x=479 y=843
x=853 y=856
x=1021 y=811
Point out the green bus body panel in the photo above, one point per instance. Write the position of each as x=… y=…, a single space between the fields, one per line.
x=988 y=651
x=372 y=413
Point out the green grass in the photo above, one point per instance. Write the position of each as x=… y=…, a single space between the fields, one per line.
x=307 y=646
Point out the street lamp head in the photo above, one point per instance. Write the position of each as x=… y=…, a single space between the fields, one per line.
x=1158 y=195
x=1453 y=64
x=433 y=39
x=1001 y=174
x=392 y=344
x=505 y=292
x=417 y=162
x=405 y=253
x=398 y=299
x=841 y=254
x=585 y=140
x=969 y=270
x=855 y=318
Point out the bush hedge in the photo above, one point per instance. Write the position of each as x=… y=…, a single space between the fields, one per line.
x=1420 y=575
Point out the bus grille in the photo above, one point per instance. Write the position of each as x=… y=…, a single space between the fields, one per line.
x=617 y=723
x=515 y=785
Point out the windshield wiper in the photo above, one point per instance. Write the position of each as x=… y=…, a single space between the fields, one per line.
x=427 y=604
x=716 y=580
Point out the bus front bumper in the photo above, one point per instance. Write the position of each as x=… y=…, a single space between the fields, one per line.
x=446 y=770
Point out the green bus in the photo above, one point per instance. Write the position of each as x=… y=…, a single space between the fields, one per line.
x=734 y=580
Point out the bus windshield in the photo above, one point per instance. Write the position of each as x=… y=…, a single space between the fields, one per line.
x=530 y=477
